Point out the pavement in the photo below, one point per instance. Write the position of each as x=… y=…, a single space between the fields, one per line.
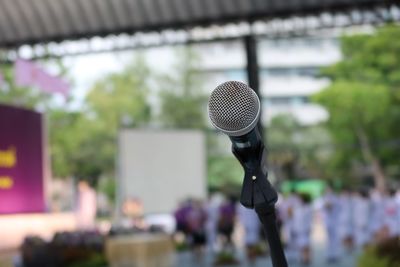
x=186 y=259
x=318 y=238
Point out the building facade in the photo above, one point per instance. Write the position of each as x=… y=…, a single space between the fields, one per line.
x=289 y=72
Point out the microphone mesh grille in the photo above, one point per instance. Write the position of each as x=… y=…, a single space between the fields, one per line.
x=233 y=106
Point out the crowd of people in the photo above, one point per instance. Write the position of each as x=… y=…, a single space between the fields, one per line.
x=201 y=223
x=351 y=219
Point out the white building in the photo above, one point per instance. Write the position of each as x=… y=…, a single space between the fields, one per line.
x=288 y=72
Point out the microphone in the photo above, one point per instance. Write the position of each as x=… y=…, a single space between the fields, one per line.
x=234 y=109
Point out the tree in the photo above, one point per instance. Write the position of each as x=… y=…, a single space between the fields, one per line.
x=364 y=101
x=181 y=96
x=297 y=151
x=357 y=116
x=84 y=142
x=283 y=151
x=223 y=171
x=183 y=107
x=66 y=133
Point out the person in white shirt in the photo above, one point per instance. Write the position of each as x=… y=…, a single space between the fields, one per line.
x=251 y=224
x=346 y=219
x=376 y=215
x=397 y=197
x=361 y=218
x=288 y=206
x=331 y=211
x=303 y=216
x=390 y=218
x=212 y=210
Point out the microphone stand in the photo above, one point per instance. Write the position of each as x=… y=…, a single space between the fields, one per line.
x=258 y=193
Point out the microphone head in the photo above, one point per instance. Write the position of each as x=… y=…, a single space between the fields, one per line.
x=234 y=108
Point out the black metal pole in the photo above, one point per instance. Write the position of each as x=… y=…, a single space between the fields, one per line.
x=253 y=71
x=257 y=192
x=267 y=216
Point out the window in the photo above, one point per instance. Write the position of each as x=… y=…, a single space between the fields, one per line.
x=285 y=100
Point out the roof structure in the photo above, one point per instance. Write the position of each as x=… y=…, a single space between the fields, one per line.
x=44 y=21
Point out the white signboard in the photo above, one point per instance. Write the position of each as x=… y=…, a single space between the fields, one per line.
x=161 y=168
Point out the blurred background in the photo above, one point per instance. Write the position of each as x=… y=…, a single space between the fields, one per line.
x=108 y=158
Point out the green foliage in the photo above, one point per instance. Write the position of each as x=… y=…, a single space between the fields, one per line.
x=383 y=254
x=364 y=102
x=65 y=135
x=283 y=146
x=370 y=259
x=297 y=151
x=181 y=95
x=182 y=105
x=83 y=144
x=109 y=188
x=120 y=98
x=355 y=103
x=182 y=247
x=97 y=260
x=372 y=59
x=117 y=100
x=356 y=109
x=224 y=258
x=224 y=170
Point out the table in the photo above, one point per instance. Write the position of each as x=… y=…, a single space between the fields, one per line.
x=140 y=250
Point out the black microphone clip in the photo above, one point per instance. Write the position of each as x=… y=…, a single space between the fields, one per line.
x=256 y=189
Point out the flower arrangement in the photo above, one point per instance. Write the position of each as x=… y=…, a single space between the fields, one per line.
x=66 y=249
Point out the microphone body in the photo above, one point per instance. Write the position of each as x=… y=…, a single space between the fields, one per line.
x=248 y=146
x=256 y=189
x=234 y=109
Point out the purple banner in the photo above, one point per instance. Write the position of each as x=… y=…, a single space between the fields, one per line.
x=21 y=161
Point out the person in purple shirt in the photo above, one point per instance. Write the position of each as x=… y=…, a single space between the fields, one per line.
x=227 y=215
x=196 y=222
x=181 y=216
